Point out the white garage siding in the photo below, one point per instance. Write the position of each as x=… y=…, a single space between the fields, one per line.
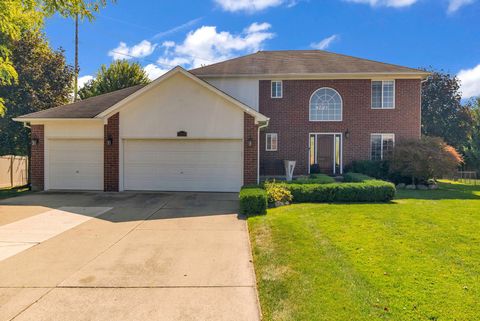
x=183 y=165
x=75 y=164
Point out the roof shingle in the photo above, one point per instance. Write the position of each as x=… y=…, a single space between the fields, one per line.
x=299 y=62
x=88 y=108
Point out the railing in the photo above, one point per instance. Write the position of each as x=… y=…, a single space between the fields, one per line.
x=467 y=177
x=13 y=171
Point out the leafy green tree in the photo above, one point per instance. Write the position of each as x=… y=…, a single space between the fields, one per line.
x=44 y=81
x=19 y=16
x=443 y=114
x=120 y=74
x=472 y=147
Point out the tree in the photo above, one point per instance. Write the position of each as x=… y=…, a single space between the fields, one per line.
x=120 y=74
x=427 y=158
x=19 y=16
x=472 y=147
x=44 y=81
x=443 y=115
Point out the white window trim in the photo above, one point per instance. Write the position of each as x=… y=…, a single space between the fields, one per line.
x=310 y=110
x=266 y=142
x=271 y=89
x=381 y=143
x=394 y=93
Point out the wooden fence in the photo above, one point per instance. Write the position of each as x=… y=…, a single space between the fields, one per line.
x=13 y=171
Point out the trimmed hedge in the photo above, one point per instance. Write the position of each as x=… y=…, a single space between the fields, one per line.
x=314 y=179
x=367 y=191
x=253 y=200
x=355 y=178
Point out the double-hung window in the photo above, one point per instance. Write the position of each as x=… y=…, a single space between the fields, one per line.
x=381 y=146
x=271 y=142
x=383 y=94
x=277 y=89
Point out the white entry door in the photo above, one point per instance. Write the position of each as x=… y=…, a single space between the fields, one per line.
x=183 y=165
x=75 y=164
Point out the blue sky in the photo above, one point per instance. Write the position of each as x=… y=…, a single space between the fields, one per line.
x=444 y=34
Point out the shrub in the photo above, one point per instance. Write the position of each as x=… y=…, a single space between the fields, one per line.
x=366 y=191
x=315 y=169
x=277 y=192
x=355 y=177
x=427 y=158
x=253 y=200
x=375 y=169
x=314 y=179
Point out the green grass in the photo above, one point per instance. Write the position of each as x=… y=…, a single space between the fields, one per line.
x=416 y=258
x=11 y=192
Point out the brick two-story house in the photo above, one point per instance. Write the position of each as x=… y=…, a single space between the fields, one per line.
x=221 y=126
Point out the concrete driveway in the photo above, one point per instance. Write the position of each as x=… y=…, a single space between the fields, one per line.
x=125 y=256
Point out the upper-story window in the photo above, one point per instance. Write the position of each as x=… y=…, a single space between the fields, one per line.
x=326 y=105
x=383 y=94
x=277 y=89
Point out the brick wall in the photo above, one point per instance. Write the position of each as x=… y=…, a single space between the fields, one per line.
x=289 y=117
x=250 y=153
x=37 y=166
x=111 y=154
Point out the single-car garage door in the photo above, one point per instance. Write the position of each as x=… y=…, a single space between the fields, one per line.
x=75 y=164
x=183 y=165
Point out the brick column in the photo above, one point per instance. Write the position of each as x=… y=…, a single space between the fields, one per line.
x=111 y=154
x=37 y=160
x=250 y=153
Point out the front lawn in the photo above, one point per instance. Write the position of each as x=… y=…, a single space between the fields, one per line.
x=416 y=258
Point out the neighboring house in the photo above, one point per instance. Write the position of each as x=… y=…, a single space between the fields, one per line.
x=219 y=127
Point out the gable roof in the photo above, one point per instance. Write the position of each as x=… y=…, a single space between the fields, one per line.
x=87 y=108
x=103 y=106
x=300 y=62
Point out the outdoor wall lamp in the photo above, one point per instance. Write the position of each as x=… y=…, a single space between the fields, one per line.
x=347 y=134
x=249 y=142
x=35 y=141
x=109 y=141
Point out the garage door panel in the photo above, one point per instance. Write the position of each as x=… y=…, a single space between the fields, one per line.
x=75 y=164
x=182 y=165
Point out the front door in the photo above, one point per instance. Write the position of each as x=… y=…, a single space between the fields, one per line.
x=326 y=153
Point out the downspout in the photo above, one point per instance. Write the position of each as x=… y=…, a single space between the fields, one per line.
x=258 y=149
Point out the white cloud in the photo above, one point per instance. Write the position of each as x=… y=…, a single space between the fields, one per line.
x=206 y=45
x=153 y=71
x=83 y=80
x=386 y=3
x=325 y=43
x=454 y=5
x=251 y=5
x=140 y=50
x=470 y=82
x=257 y=27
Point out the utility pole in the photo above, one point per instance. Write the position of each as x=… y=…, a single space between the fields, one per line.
x=75 y=89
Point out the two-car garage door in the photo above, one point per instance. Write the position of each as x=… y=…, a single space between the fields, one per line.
x=183 y=165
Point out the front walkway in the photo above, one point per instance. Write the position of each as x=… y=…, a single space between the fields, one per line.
x=157 y=256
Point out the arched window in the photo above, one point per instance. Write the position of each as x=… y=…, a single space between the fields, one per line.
x=326 y=105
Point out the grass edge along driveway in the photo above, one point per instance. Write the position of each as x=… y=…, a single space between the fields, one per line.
x=416 y=258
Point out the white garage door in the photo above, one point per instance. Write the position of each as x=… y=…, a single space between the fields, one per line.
x=183 y=165
x=75 y=164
